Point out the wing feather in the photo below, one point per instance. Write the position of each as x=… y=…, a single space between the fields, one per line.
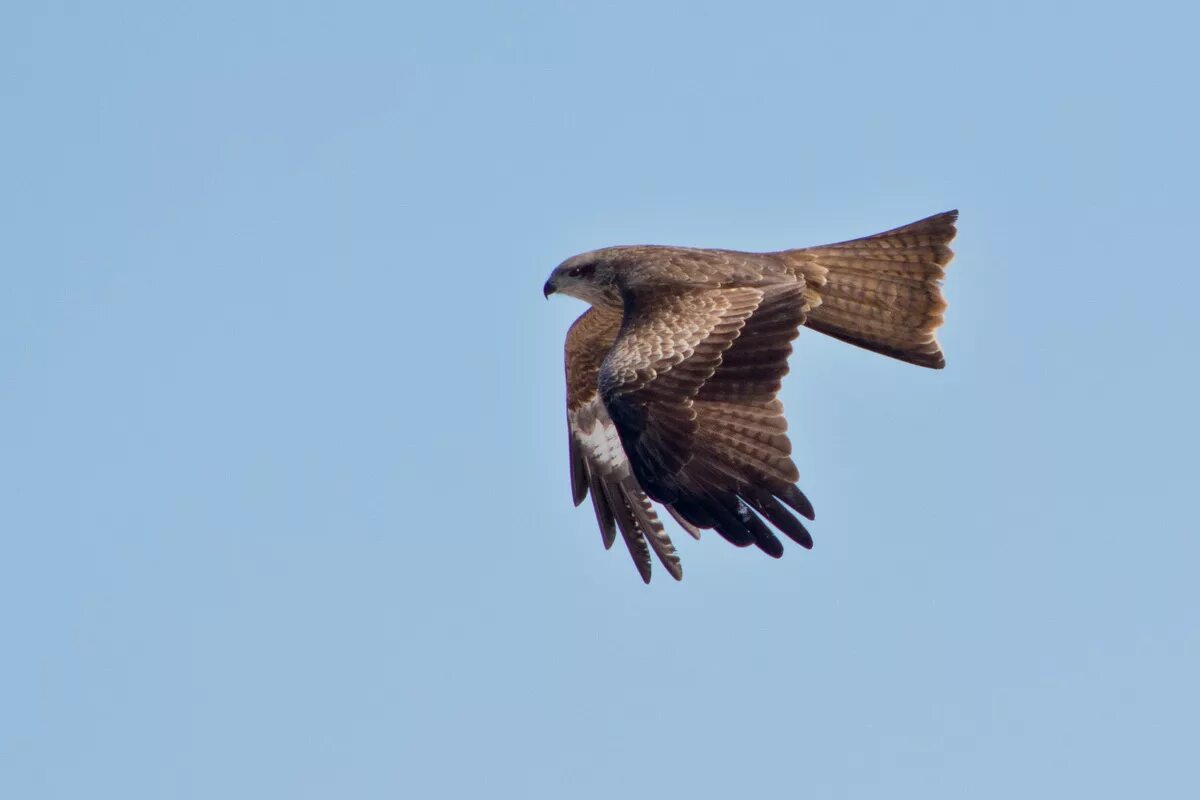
x=691 y=384
x=599 y=466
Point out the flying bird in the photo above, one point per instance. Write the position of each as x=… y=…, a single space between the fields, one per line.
x=674 y=371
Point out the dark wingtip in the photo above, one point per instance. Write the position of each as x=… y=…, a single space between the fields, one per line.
x=806 y=544
x=797 y=500
x=772 y=547
x=767 y=542
x=766 y=504
x=801 y=536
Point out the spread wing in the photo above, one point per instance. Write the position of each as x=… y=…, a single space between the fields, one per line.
x=598 y=463
x=691 y=385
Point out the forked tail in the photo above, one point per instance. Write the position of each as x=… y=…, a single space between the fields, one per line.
x=882 y=292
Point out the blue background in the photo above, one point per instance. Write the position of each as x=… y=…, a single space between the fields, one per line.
x=283 y=486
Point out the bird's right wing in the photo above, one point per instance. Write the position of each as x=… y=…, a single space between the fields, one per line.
x=599 y=465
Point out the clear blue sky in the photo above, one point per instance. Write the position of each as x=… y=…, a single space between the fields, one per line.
x=283 y=492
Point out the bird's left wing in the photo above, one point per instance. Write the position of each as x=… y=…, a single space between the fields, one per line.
x=691 y=384
x=599 y=465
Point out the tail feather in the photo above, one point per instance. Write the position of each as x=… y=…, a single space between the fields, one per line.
x=882 y=292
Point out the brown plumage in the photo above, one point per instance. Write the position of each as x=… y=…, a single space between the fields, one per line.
x=673 y=373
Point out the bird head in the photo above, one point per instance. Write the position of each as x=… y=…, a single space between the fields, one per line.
x=586 y=277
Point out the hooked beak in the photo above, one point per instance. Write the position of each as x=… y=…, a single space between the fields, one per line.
x=548 y=289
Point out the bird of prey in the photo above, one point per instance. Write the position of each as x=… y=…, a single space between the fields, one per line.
x=673 y=372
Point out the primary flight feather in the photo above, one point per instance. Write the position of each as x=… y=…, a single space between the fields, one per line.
x=672 y=374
